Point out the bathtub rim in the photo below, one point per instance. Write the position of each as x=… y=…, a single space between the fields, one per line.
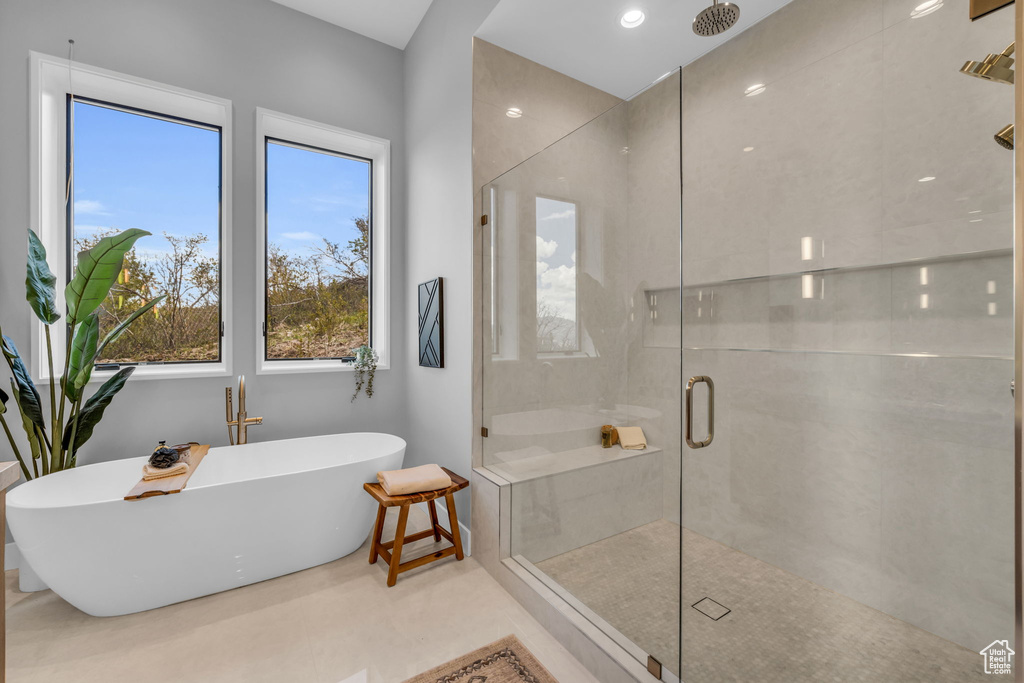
x=14 y=495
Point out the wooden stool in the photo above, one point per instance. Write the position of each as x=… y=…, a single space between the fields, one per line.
x=392 y=550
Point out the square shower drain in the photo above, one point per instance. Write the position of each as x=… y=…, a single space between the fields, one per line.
x=710 y=608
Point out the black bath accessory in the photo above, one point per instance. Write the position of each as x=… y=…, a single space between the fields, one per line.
x=164 y=457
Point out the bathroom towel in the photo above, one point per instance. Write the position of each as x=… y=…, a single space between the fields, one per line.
x=414 y=480
x=632 y=438
x=149 y=473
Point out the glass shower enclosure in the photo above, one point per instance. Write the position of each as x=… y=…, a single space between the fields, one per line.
x=790 y=263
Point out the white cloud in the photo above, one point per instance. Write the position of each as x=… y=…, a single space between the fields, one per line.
x=542 y=268
x=557 y=288
x=546 y=249
x=91 y=207
x=562 y=277
x=568 y=213
x=300 y=236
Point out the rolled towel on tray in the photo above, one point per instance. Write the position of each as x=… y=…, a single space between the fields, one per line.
x=149 y=473
x=632 y=438
x=414 y=480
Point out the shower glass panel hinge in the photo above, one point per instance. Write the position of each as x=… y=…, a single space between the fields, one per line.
x=483 y=219
x=483 y=432
x=654 y=667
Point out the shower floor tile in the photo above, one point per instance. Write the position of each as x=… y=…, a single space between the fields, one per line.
x=780 y=628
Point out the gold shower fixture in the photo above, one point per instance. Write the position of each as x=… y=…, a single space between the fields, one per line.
x=1005 y=137
x=242 y=421
x=998 y=68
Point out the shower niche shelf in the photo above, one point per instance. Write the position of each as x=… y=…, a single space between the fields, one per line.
x=825 y=270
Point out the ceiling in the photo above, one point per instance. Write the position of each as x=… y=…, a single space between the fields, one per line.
x=390 y=21
x=585 y=40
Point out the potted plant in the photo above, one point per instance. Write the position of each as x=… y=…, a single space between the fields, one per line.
x=365 y=365
x=55 y=436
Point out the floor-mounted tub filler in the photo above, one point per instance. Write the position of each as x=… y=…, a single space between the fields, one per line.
x=249 y=513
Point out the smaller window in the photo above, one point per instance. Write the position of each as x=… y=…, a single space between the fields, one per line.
x=323 y=239
x=557 y=320
x=319 y=242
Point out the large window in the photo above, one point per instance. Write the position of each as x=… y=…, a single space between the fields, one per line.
x=319 y=241
x=112 y=152
x=323 y=230
x=133 y=169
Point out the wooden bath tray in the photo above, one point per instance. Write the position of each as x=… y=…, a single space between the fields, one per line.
x=163 y=487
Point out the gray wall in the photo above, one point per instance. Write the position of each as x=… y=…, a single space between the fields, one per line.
x=255 y=53
x=439 y=241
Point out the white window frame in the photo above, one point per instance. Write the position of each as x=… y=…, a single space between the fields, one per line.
x=50 y=81
x=287 y=128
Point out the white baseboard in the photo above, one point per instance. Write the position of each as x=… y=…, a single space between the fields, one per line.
x=442 y=514
x=12 y=557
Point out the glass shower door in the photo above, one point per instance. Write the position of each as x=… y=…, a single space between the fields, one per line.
x=847 y=287
x=581 y=330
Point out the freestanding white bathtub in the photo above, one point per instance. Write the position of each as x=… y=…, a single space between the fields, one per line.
x=249 y=513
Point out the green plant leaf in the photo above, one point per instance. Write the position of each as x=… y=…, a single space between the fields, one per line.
x=27 y=396
x=96 y=273
x=40 y=282
x=92 y=411
x=26 y=423
x=83 y=355
x=113 y=335
x=4 y=398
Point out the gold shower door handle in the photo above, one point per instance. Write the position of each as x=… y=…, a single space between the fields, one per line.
x=689 y=412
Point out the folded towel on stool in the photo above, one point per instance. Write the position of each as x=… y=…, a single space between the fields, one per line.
x=414 y=480
x=632 y=438
x=149 y=473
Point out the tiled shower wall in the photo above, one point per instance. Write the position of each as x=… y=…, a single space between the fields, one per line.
x=855 y=315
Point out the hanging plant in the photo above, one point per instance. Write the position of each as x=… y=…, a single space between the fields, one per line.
x=365 y=364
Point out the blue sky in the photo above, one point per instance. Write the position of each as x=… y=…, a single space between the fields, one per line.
x=313 y=195
x=134 y=171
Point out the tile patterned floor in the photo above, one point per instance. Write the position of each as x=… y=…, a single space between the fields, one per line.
x=780 y=628
x=336 y=623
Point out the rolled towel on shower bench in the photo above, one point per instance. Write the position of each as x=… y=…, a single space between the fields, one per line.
x=414 y=480
x=632 y=438
x=149 y=473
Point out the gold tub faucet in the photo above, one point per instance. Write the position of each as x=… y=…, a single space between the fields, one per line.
x=241 y=422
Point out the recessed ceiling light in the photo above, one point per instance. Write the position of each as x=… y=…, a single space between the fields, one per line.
x=926 y=179
x=514 y=112
x=977 y=220
x=926 y=8
x=975 y=211
x=755 y=89
x=632 y=18
x=748 y=149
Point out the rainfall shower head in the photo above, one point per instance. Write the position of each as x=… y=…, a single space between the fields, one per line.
x=718 y=18
x=996 y=68
x=1005 y=137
